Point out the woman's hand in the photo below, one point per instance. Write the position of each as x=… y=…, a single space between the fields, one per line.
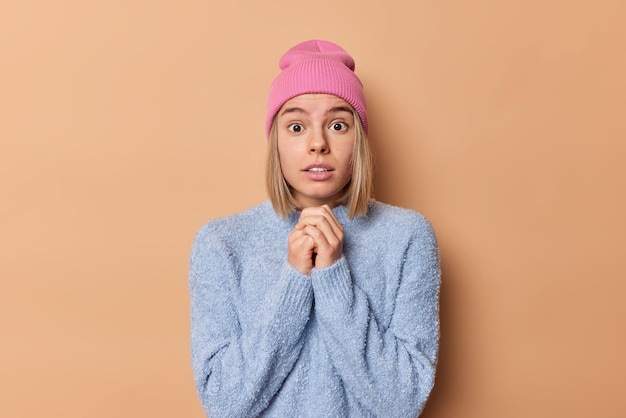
x=316 y=240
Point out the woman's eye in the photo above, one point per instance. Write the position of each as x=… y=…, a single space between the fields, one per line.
x=339 y=126
x=295 y=128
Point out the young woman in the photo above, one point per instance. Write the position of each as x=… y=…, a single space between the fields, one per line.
x=321 y=301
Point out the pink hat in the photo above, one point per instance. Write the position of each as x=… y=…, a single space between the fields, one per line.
x=316 y=67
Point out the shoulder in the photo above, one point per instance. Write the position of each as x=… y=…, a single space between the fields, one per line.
x=235 y=227
x=399 y=220
x=407 y=233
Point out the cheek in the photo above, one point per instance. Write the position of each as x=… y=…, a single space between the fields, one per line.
x=288 y=162
x=285 y=157
x=346 y=153
x=285 y=148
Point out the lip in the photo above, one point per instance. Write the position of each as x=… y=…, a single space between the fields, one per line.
x=318 y=165
x=318 y=175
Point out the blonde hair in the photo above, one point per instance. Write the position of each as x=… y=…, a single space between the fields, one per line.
x=357 y=193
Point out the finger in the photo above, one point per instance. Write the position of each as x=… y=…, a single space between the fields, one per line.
x=299 y=239
x=328 y=251
x=300 y=251
x=320 y=229
x=312 y=217
x=322 y=243
x=306 y=244
x=324 y=219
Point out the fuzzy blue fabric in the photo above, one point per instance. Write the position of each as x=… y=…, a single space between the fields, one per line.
x=356 y=339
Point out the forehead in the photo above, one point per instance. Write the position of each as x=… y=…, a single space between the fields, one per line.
x=316 y=102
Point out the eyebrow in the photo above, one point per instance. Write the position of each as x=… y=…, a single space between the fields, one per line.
x=335 y=109
x=292 y=110
x=340 y=109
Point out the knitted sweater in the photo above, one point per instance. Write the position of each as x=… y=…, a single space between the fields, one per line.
x=356 y=339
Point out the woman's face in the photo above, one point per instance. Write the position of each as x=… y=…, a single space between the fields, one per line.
x=316 y=136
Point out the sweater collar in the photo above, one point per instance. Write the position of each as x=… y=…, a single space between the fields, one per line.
x=341 y=212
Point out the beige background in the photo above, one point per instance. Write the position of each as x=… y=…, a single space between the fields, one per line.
x=126 y=125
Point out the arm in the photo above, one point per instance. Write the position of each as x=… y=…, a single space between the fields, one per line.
x=237 y=371
x=389 y=372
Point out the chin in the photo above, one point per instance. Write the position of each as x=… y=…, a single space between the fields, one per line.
x=331 y=199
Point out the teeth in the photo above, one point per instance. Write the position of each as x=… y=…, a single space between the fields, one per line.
x=318 y=169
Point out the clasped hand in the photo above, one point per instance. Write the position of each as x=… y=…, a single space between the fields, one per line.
x=316 y=240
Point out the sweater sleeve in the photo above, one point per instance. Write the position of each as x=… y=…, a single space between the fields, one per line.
x=388 y=372
x=238 y=371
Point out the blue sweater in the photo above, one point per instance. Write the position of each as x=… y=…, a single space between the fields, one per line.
x=356 y=339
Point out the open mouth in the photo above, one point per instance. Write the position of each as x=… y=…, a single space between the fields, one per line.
x=317 y=169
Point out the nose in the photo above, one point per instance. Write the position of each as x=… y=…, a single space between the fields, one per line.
x=318 y=143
